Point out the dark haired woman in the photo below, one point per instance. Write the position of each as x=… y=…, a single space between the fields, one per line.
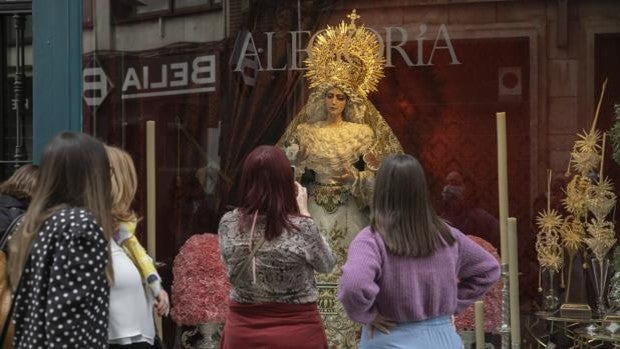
x=58 y=256
x=271 y=249
x=408 y=272
x=15 y=194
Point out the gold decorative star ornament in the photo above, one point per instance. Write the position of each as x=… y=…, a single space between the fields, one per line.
x=601 y=198
x=549 y=251
x=585 y=156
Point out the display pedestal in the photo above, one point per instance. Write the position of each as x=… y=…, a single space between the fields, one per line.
x=576 y=310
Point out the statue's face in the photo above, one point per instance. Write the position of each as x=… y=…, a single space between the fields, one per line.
x=335 y=101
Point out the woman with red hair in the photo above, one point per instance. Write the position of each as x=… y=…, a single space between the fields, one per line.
x=271 y=249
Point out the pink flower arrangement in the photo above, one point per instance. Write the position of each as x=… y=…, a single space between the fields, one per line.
x=200 y=289
x=492 y=300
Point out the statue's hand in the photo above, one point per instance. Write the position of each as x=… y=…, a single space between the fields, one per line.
x=346 y=178
x=302 y=154
x=291 y=152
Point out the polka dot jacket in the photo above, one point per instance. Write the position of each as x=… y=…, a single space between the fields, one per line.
x=63 y=297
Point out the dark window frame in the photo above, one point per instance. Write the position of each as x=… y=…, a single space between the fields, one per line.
x=172 y=11
x=12 y=7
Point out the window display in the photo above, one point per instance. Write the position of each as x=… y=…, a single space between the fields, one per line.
x=220 y=78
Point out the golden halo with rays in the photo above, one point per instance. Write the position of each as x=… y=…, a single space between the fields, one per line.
x=346 y=56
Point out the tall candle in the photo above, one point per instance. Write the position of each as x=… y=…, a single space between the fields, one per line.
x=150 y=189
x=513 y=252
x=502 y=184
x=479 y=316
x=151 y=242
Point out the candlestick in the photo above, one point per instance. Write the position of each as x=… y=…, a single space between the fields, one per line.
x=479 y=313
x=502 y=189
x=150 y=189
x=513 y=270
x=151 y=239
x=502 y=184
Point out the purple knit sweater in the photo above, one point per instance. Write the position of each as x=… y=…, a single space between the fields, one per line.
x=407 y=289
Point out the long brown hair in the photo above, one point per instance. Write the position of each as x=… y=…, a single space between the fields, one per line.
x=21 y=183
x=268 y=186
x=74 y=172
x=402 y=212
x=124 y=184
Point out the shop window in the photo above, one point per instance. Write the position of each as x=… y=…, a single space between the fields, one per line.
x=130 y=10
x=87 y=14
x=15 y=98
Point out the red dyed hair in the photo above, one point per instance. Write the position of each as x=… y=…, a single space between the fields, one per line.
x=268 y=186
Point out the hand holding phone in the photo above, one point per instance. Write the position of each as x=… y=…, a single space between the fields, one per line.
x=302 y=199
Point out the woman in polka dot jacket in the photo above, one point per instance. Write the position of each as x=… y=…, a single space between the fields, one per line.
x=61 y=250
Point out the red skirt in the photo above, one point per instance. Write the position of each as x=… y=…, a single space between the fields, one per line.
x=273 y=326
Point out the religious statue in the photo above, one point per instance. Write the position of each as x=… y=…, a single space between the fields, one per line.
x=336 y=143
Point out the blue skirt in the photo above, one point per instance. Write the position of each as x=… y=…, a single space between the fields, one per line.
x=437 y=333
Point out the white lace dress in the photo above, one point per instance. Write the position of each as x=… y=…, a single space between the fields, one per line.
x=339 y=209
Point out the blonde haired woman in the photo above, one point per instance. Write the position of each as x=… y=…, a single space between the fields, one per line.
x=131 y=323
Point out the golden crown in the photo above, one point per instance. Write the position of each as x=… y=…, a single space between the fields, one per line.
x=346 y=56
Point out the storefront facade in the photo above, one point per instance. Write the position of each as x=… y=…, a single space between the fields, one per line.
x=220 y=77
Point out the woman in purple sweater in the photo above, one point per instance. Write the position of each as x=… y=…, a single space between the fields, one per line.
x=408 y=272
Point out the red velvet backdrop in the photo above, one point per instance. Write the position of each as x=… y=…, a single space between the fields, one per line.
x=445 y=115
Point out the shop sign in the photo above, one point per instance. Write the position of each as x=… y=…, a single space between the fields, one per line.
x=168 y=79
x=391 y=46
x=95 y=84
x=185 y=76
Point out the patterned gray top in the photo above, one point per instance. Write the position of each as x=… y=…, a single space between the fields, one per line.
x=284 y=266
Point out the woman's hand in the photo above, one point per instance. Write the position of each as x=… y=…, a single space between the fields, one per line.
x=162 y=304
x=380 y=323
x=302 y=199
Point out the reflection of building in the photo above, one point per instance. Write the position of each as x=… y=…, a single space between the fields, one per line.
x=221 y=76
x=15 y=85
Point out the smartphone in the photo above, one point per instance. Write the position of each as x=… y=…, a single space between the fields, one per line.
x=293 y=169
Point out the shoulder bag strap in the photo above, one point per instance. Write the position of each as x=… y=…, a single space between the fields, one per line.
x=250 y=259
x=9 y=231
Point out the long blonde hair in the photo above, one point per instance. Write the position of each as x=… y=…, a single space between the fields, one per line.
x=22 y=182
x=74 y=172
x=124 y=183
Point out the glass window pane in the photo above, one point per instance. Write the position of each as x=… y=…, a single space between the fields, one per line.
x=10 y=63
x=178 y=4
x=215 y=80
